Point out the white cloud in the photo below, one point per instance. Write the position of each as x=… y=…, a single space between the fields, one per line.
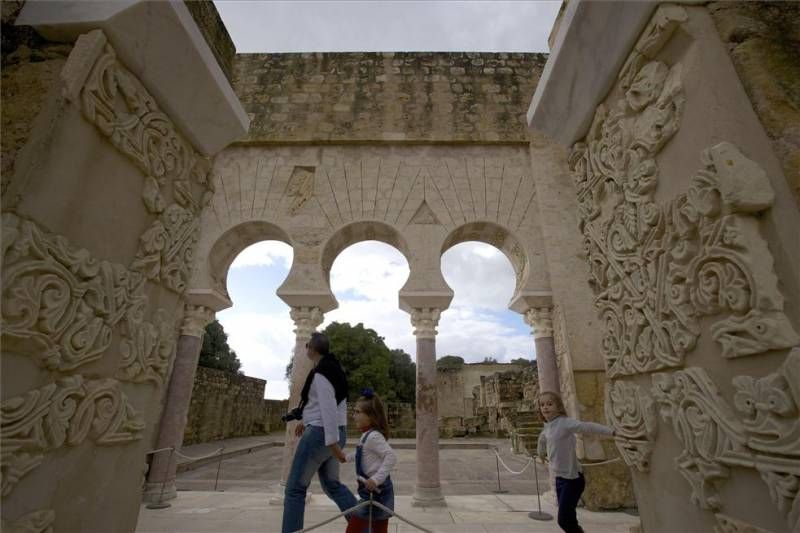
x=265 y=253
x=263 y=342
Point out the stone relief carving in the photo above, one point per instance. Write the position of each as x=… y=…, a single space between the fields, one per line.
x=177 y=183
x=425 y=321
x=540 y=319
x=566 y=379
x=59 y=303
x=306 y=320
x=147 y=349
x=60 y=306
x=195 y=320
x=34 y=522
x=728 y=524
x=656 y=268
x=632 y=413
x=65 y=412
x=763 y=435
x=166 y=249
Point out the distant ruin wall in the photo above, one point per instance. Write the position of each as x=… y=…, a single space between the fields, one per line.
x=228 y=405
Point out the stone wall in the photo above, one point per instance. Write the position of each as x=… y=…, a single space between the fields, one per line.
x=207 y=17
x=402 y=421
x=30 y=70
x=763 y=40
x=228 y=405
x=393 y=96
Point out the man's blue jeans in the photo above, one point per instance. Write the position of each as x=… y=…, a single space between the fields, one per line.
x=313 y=456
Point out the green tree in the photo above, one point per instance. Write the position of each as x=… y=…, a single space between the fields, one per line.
x=403 y=374
x=216 y=353
x=520 y=361
x=368 y=362
x=489 y=360
x=450 y=361
x=365 y=358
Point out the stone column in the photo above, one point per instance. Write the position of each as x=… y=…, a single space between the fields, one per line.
x=428 y=490
x=540 y=319
x=306 y=320
x=176 y=407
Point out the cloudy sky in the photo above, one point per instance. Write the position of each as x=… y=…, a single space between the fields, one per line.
x=389 y=26
x=367 y=277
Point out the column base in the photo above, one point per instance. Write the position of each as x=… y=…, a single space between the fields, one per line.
x=428 y=497
x=152 y=492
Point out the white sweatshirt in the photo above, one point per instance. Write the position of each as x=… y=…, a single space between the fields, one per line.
x=377 y=457
x=558 y=437
x=322 y=411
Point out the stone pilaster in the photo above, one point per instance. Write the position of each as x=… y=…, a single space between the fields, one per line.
x=176 y=407
x=428 y=489
x=306 y=320
x=540 y=319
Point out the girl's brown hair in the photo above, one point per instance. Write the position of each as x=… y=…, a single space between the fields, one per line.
x=556 y=399
x=372 y=406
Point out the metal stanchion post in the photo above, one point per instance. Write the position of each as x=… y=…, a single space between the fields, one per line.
x=538 y=515
x=369 y=530
x=161 y=504
x=497 y=464
x=219 y=467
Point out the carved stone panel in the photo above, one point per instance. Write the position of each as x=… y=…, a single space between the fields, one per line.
x=631 y=412
x=658 y=267
x=761 y=433
x=65 y=412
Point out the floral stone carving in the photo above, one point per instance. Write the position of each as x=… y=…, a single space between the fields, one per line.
x=60 y=306
x=66 y=412
x=657 y=268
x=34 y=522
x=632 y=413
x=763 y=434
x=177 y=183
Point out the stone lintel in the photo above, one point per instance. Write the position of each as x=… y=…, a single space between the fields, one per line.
x=410 y=300
x=325 y=301
x=161 y=44
x=583 y=65
x=526 y=300
x=210 y=298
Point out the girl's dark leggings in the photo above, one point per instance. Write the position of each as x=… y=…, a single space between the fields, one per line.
x=568 y=492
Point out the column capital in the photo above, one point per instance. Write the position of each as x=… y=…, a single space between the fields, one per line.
x=195 y=320
x=540 y=319
x=306 y=320
x=425 y=320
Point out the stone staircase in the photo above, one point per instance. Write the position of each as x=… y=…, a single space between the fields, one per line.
x=527 y=427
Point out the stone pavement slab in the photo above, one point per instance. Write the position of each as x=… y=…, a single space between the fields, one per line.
x=232 y=512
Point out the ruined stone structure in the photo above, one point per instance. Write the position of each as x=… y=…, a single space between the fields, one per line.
x=229 y=405
x=648 y=211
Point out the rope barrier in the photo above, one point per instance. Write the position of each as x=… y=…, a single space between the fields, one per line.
x=506 y=466
x=212 y=454
x=358 y=506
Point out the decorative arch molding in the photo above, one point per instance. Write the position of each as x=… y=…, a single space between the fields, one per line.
x=499 y=237
x=363 y=230
x=233 y=241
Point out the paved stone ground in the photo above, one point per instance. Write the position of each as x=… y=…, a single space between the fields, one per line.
x=248 y=512
x=248 y=480
x=461 y=471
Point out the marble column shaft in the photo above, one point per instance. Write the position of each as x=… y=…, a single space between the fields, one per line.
x=541 y=321
x=176 y=407
x=428 y=490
